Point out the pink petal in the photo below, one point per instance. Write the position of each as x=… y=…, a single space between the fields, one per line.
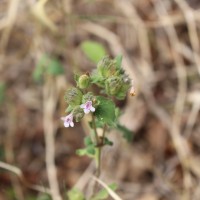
x=72 y=124
x=92 y=109
x=82 y=105
x=86 y=111
x=66 y=124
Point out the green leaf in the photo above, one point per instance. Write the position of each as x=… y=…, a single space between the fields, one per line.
x=88 y=151
x=44 y=197
x=69 y=109
x=99 y=124
x=54 y=67
x=48 y=65
x=118 y=61
x=2 y=153
x=105 y=111
x=126 y=133
x=31 y=197
x=40 y=68
x=107 y=141
x=38 y=73
x=93 y=50
x=76 y=77
x=88 y=141
x=2 y=92
x=117 y=112
x=103 y=194
x=75 y=194
x=81 y=152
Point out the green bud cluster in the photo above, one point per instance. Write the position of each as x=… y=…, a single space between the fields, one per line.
x=113 y=85
x=109 y=76
x=88 y=97
x=106 y=67
x=112 y=78
x=73 y=96
x=78 y=113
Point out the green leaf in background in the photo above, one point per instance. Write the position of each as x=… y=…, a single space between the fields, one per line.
x=126 y=133
x=54 y=67
x=48 y=65
x=2 y=153
x=103 y=194
x=2 y=92
x=75 y=194
x=40 y=68
x=93 y=50
x=76 y=77
x=118 y=61
x=105 y=111
x=31 y=198
x=88 y=141
x=88 y=151
x=81 y=152
x=44 y=197
x=107 y=141
x=10 y=193
x=99 y=124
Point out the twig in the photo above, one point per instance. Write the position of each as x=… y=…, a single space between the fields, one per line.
x=49 y=98
x=194 y=98
x=111 y=192
x=193 y=35
x=10 y=20
x=179 y=142
x=9 y=156
x=19 y=173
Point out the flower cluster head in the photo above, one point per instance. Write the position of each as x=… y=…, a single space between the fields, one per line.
x=78 y=113
x=108 y=76
x=79 y=104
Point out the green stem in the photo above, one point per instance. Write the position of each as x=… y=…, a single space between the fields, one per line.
x=95 y=130
x=99 y=144
x=104 y=133
x=99 y=151
x=98 y=161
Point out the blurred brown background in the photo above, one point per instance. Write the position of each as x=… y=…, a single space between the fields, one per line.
x=159 y=41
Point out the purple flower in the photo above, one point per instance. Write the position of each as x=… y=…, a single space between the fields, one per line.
x=68 y=120
x=87 y=107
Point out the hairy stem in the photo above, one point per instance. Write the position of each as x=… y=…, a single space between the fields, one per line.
x=95 y=130
x=99 y=150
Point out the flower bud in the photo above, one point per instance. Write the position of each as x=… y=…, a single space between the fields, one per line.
x=84 y=81
x=104 y=62
x=113 y=85
x=73 y=96
x=87 y=97
x=106 y=67
x=123 y=90
x=78 y=113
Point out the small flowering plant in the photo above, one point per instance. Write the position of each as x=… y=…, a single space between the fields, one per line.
x=113 y=84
